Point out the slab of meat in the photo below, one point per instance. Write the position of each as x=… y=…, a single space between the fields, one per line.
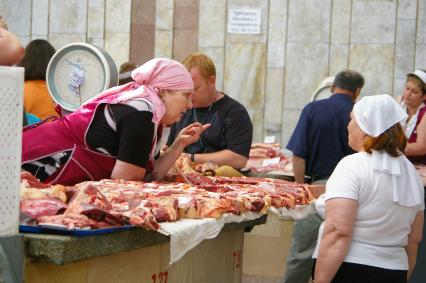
x=69 y=220
x=197 y=206
x=57 y=191
x=88 y=197
x=142 y=217
x=265 y=150
x=35 y=208
x=257 y=166
x=29 y=181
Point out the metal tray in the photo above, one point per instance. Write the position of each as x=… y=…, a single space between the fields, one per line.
x=62 y=230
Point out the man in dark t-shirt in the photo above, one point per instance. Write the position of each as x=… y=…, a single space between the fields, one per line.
x=228 y=140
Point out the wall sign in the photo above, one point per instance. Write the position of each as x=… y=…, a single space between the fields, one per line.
x=244 y=21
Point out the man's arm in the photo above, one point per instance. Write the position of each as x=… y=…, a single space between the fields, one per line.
x=222 y=157
x=11 y=50
x=414 y=238
x=299 y=166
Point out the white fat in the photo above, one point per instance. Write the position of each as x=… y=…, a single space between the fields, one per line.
x=184 y=199
x=268 y=187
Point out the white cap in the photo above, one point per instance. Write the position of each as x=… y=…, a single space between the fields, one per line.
x=377 y=113
x=420 y=74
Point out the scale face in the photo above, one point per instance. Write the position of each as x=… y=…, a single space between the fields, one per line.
x=77 y=72
x=324 y=89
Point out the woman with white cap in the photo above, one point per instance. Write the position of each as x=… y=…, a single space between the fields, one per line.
x=373 y=204
x=414 y=103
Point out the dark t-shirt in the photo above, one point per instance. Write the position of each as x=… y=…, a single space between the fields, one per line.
x=132 y=140
x=321 y=134
x=231 y=127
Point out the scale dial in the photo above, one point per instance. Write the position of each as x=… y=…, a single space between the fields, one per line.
x=78 y=72
x=324 y=89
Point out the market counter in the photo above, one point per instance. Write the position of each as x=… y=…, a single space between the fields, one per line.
x=134 y=256
x=288 y=176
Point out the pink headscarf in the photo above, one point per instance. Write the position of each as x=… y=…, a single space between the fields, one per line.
x=158 y=73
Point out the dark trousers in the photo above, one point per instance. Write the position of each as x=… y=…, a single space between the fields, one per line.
x=360 y=273
x=419 y=273
x=303 y=242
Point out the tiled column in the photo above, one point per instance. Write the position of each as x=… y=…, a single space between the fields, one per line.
x=18 y=19
x=405 y=44
x=420 y=61
x=373 y=44
x=307 y=56
x=185 y=28
x=95 y=22
x=67 y=22
x=340 y=32
x=245 y=66
x=40 y=19
x=142 y=44
x=164 y=28
x=211 y=34
x=274 y=94
x=117 y=30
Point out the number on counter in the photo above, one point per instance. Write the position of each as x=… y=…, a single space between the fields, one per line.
x=237 y=259
x=162 y=277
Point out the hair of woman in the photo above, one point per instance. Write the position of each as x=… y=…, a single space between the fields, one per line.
x=37 y=56
x=393 y=141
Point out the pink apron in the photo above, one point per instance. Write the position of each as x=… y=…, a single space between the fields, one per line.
x=69 y=133
x=413 y=138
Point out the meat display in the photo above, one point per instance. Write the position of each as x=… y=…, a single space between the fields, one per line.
x=266 y=157
x=109 y=203
x=35 y=208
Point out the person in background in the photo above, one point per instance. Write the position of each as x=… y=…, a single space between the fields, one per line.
x=114 y=135
x=373 y=204
x=228 y=140
x=125 y=72
x=414 y=103
x=11 y=51
x=31 y=119
x=318 y=143
x=37 y=99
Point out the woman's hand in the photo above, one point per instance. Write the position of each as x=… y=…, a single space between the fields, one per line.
x=258 y=152
x=185 y=137
x=190 y=134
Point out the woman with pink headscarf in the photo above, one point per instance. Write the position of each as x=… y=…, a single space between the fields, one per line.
x=115 y=134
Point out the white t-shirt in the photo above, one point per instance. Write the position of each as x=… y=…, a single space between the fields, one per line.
x=381 y=226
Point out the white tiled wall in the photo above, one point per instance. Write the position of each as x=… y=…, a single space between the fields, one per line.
x=273 y=73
